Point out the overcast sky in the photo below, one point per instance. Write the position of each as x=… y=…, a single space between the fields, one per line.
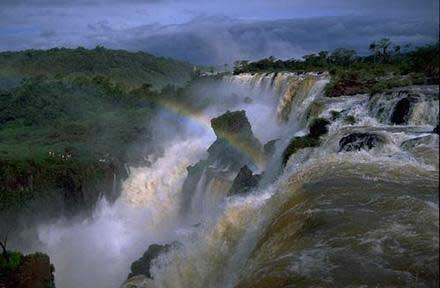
x=215 y=32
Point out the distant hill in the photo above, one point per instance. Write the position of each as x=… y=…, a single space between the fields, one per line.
x=131 y=69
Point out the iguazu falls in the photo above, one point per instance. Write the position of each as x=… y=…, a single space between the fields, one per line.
x=219 y=144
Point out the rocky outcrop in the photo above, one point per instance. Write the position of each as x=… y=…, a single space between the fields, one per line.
x=235 y=147
x=401 y=110
x=244 y=182
x=360 y=141
x=235 y=142
x=143 y=265
x=30 y=271
x=269 y=148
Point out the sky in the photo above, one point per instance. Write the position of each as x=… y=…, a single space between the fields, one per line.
x=216 y=32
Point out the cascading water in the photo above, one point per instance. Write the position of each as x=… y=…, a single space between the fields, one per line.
x=364 y=200
x=97 y=252
x=250 y=244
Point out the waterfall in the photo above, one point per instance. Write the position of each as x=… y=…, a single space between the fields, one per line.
x=328 y=206
x=353 y=206
x=100 y=249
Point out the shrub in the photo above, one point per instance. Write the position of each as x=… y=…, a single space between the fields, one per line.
x=298 y=143
x=318 y=127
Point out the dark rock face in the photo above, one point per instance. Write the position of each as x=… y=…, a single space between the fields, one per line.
x=232 y=123
x=235 y=147
x=269 y=148
x=359 y=141
x=236 y=144
x=401 y=111
x=318 y=127
x=30 y=271
x=437 y=129
x=244 y=182
x=142 y=266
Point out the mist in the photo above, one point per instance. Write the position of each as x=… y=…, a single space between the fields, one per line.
x=96 y=251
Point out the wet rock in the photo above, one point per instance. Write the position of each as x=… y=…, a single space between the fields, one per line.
x=236 y=144
x=142 y=266
x=235 y=147
x=318 y=127
x=437 y=129
x=232 y=123
x=30 y=271
x=401 y=111
x=244 y=182
x=269 y=148
x=359 y=141
x=298 y=143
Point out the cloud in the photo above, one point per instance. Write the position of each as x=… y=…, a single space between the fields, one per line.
x=222 y=40
x=215 y=32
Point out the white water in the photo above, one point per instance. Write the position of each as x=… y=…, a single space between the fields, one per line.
x=97 y=252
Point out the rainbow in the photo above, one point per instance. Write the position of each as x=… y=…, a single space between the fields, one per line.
x=197 y=116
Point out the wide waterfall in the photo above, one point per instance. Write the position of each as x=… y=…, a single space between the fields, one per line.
x=361 y=207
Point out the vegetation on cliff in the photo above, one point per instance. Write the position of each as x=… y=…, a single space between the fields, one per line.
x=26 y=271
x=70 y=120
x=317 y=128
x=388 y=66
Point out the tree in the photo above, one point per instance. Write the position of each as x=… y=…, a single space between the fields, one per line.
x=3 y=244
x=343 y=56
x=373 y=48
x=384 y=44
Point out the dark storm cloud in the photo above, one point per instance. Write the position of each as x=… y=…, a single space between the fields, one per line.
x=215 y=31
x=220 y=41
